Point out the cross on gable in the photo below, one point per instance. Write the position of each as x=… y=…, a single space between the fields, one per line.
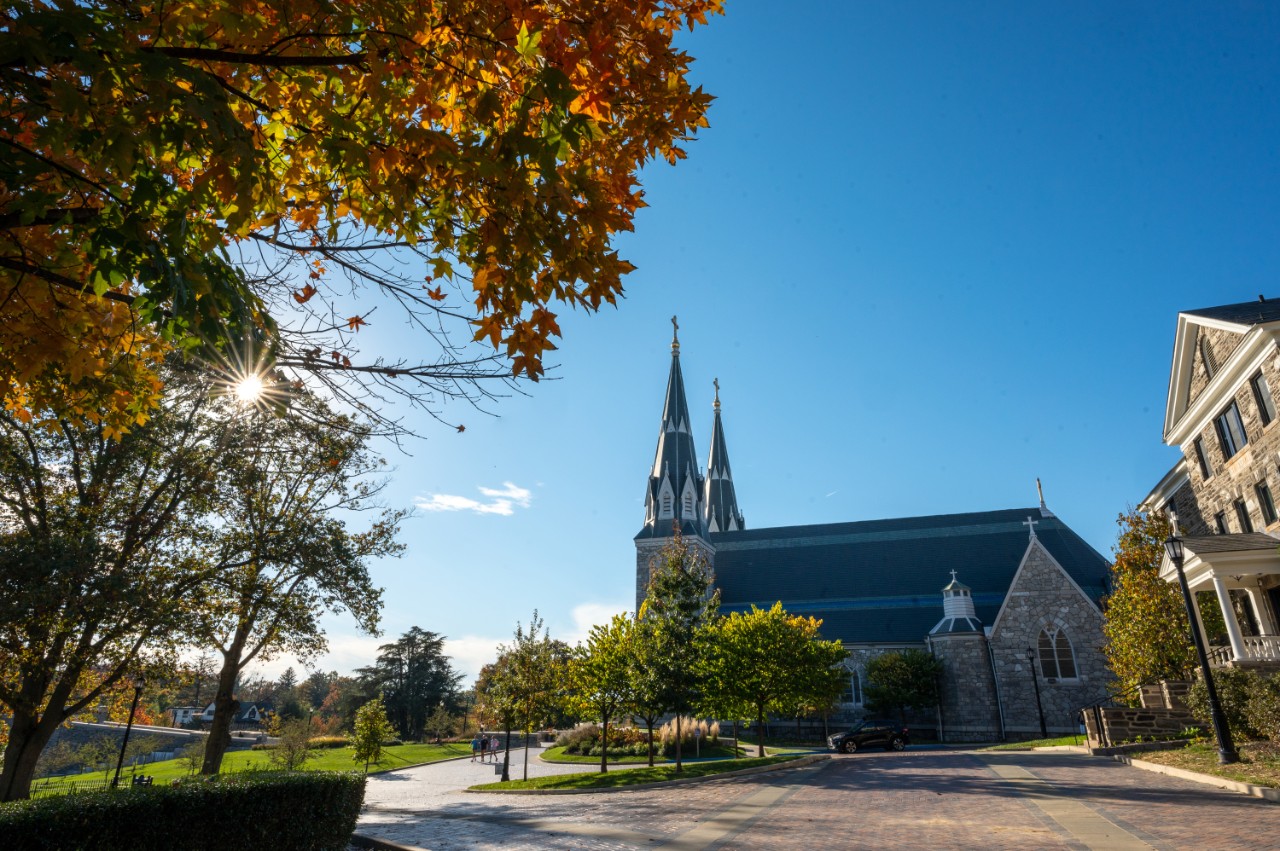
x=1031 y=525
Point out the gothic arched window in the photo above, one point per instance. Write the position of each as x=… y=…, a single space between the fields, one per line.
x=1057 y=661
x=853 y=694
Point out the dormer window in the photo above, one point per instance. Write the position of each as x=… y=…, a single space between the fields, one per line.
x=688 y=504
x=666 y=505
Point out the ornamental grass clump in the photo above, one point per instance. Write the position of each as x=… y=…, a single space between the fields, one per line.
x=584 y=740
x=709 y=732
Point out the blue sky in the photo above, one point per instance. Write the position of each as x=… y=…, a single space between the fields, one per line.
x=931 y=250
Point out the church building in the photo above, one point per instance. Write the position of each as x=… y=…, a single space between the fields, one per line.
x=1008 y=600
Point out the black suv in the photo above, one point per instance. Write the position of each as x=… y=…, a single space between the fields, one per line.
x=870 y=734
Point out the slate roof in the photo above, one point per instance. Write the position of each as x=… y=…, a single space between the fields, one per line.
x=1234 y=543
x=722 y=500
x=1245 y=313
x=880 y=581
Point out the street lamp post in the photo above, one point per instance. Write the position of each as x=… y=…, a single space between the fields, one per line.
x=1035 y=681
x=138 y=683
x=1226 y=748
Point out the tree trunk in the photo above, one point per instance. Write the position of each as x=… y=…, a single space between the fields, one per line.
x=649 y=724
x=604 y=745
x=224 y=710
x=760 y=729
x=735 y=738
x=526 y=755
x=679 y=765
x=506 y=758
x=28 y=736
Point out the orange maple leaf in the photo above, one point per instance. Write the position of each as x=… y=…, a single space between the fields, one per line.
x=354 y=323
x=304 y=295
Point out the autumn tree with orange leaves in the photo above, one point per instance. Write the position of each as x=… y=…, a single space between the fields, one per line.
x=259 y=181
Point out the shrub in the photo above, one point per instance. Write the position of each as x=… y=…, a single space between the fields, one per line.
x=1262 y=707
x=284 y=812
x=328 y=742
x=1235 y=688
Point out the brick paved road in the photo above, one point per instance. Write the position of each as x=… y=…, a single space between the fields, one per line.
x=873 y=801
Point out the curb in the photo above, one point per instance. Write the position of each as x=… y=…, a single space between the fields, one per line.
x=1266 y=793
x=361 y=841
x=680 y=781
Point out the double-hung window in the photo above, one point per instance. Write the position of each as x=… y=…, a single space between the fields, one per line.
x=1266 y=504
x=1230 y=430
x=1242 y=515
x=1262 y=395
x=1203 y=458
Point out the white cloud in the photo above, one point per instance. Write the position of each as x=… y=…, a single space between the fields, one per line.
x=501 y=501
x=587 y=615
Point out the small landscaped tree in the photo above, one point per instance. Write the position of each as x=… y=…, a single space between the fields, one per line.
x=370 y=730
x=768 y=660
x=294 y=746
x=600 y=676
x=902 y=680
x=1145 y=617
x=679 y=601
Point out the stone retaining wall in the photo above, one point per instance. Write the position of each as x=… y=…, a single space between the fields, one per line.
x=1123 y=724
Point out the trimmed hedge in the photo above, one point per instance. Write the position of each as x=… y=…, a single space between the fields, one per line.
x=300 y=811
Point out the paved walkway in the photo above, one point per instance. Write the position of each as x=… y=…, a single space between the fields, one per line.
x=912 y=800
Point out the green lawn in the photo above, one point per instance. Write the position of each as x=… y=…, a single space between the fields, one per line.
x=1259 y=762
x=1038 y=743
x=325 y=759
x=633 y=776
x=557 y=754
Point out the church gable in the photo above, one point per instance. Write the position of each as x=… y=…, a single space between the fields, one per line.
x=1043 y=585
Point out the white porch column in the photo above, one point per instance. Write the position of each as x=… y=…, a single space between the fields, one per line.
x=1266 y=625
x=1229 y=615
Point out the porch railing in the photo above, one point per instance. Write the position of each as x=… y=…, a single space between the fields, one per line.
x=1257 y=648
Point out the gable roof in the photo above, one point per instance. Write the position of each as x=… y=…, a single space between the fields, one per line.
x=1246 y=314
x=1256 y=321
x=881 y=580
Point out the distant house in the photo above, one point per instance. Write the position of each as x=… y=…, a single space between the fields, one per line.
x=250 y=714
x=183 y=715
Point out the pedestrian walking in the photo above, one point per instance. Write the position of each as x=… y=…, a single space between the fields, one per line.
x=475 y=746
x=484 y=748
x=493 y=746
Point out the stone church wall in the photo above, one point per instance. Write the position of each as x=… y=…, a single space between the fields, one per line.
x=968 y=693
x=1043 y=596
x=647 y=551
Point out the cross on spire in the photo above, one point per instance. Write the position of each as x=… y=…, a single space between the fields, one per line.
x=675 y=335
x=716 y=382
x=953 y=576
x=1031 y=525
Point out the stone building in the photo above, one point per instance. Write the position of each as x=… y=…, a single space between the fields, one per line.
x=1018 y=627
x=1221 y=414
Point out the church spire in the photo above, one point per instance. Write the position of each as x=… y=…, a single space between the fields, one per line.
x=675 y=489
x=722 y=501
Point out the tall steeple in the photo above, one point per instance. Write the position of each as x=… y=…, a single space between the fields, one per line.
x=722 y=502
x=676 y=489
